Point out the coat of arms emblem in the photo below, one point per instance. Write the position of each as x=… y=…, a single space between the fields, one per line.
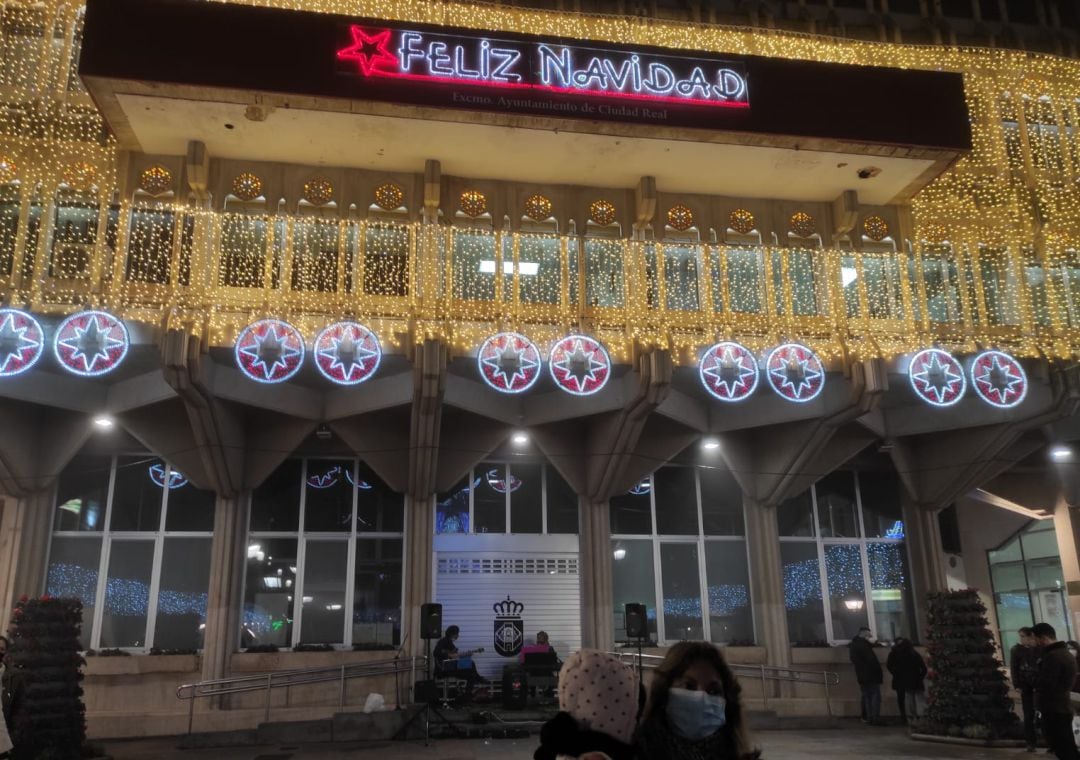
x=509 y=628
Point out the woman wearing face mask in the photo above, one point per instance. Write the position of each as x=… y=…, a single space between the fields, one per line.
x=694 y=710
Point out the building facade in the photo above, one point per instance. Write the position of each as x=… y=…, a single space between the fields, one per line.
x=532 y=313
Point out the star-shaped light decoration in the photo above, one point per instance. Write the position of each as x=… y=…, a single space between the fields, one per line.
x=370 y=51
x=91 y=343
x=269 y=351
x=729 y=372
x=936 y=377
x=22 y=342
x=998 y=378
x=795 y=372
x=347 y=353
x=579 y=365
x=509 y=362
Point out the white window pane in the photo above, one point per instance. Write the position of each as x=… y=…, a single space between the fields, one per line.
x=676 y=501
x=325 y=567
x=526 y=498
x=730 y=618
x=634 y=582
x=185 y=579
x=681 y=584
x=889 y=589
x=847 y=593
x=802 y=592
x=73 y=572
x=836 y=505
x=376 y=619
x=127 y=594
x=268 y=592
x=136 y=501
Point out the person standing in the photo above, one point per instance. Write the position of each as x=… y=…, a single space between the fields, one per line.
x=6 y=744
x=1053 y=682
x=868 y=673
x=908 y=673
x=1023 y=665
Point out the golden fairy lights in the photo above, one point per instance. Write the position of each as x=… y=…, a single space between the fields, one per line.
x=389 y=196
x=9 y=170
x=80 y=175
x=318 y=191
x=473 y=203
x=680 y=218
x=246 y=186
x=155 y=180
x=602 y=212
x=538 y=207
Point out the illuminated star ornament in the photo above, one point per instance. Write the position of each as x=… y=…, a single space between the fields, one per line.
x=369 y=50
x=21 y=342
x=579 y=365
x=999 y=379
x=795 y=372
x=729 y=372
x=509 y=362
x=91 y=343
x=270 y=351
x=347 y=353
x=936 y=377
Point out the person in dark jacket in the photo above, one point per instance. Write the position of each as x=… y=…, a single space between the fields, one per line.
x=1023 y=665
x=868 y=673
x=908 y=671
x=1053 y=682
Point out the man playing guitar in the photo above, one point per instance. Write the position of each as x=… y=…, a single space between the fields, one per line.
x=449 y=661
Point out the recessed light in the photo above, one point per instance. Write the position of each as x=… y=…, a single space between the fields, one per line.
x=520 y=439
x=104 y=421
x=710 y=444
x=1061 y=453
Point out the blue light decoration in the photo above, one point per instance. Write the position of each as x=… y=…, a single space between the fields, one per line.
x=328 y=479
x=269 y=351
x=802 y=579
x=641 y=489
x=22 y=342
x=127 y=597
x=937 y=377
x=499 y=484
x=999 y=380
x=729 y=371
x=157 y=477
x=509 y=362
x=362 y=485
x=347 y=353
x=795 y=373
x=452 y=513
x=579 y=365
x=896 y=531
x=91 y=343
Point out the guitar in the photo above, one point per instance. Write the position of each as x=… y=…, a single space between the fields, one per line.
x=462 y=658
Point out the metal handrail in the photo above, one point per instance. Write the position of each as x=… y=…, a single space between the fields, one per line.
x=823 y=678
x=287 y=678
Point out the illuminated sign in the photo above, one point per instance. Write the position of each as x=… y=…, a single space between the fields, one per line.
x=571 y=80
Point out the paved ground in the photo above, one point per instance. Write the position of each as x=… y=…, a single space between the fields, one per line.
x=854 y=743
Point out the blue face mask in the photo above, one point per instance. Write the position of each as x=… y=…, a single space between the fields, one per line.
x=695 y=714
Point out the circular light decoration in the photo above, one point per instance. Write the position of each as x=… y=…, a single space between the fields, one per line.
x=680 y=218
x=998 y=378
x=602 y=212
x=389 y=196
x=155 y=180
x=80 y=175
x=9 y=170
x=318 y=191
x=498 y=483
x=538 y=207
x=579 y=365
x=741 y=220
x=509 y=362
x=91 y=343
x=936 y=377
x=802 y=224
x=270 y=351
x=347 y=353
x=246 y=186
x=875 y=228
x=157 y=477
x=729 y=372
x=473 y=202
x=22 y=342
x=795 y=372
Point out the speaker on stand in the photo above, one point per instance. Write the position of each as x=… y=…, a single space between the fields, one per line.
x=636 y=622
x=430 y=628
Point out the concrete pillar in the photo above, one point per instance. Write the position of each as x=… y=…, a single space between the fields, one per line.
x=419 y=567
x=25 y=529
x=1067 y=528
x=228 y=555
x=923 y=539
x=767 y=582
x=597 y=583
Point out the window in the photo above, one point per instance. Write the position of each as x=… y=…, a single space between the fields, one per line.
x=324 y=558
x=520 y=497
x=851 y=571
x=694 y=562
x=123 y=527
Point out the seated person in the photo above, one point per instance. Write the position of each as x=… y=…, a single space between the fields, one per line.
x=540 y=647
x=449 y=661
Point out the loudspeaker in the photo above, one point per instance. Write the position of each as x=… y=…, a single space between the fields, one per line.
x=637 y=625
x=426 y=691
x=430 y=621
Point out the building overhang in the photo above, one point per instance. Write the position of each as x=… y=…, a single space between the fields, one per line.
x=276 y=85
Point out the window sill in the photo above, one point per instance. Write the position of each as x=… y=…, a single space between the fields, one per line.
x=140 y=664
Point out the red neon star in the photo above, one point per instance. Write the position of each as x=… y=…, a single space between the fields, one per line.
x=368 y=50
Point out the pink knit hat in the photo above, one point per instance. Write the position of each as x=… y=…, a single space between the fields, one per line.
x=600 y=693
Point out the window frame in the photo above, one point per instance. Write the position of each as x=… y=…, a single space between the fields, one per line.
x=506 y=465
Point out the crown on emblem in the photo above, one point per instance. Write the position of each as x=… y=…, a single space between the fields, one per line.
x=508 y=608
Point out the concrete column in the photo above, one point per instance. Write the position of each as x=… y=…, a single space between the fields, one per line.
x=419 y=567
x=25 y=528
x=228 y=557
x=1067 y=528
x=597 y=582
x=923 y=539
x=767 y=582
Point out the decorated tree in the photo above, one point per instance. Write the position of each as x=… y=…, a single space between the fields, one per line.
x=968 y=693
x=48 y=720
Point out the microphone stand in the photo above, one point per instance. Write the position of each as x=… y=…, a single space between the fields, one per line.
x=397 y=669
